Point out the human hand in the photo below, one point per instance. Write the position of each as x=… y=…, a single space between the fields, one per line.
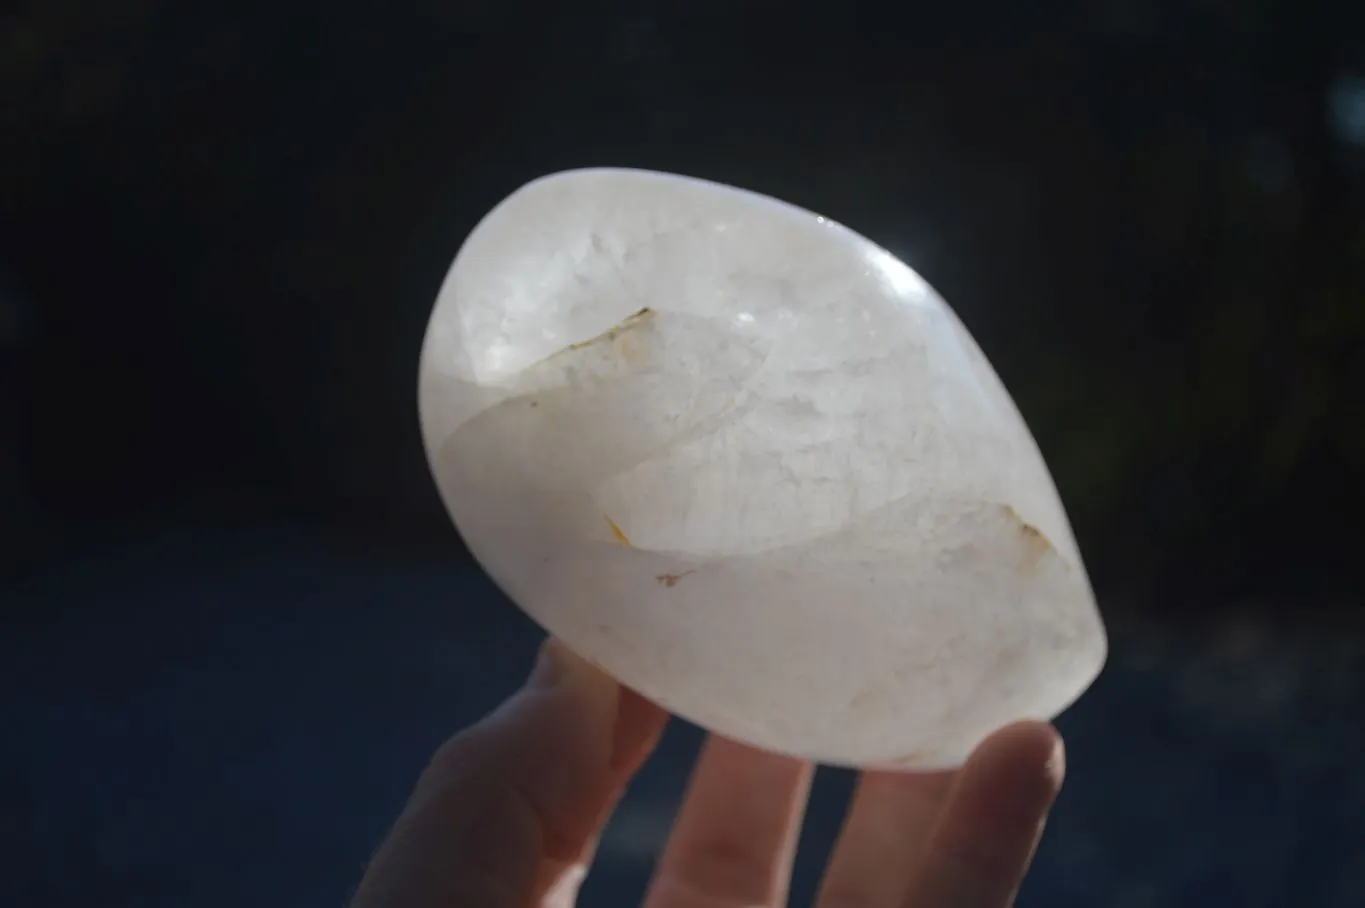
x=508 y=813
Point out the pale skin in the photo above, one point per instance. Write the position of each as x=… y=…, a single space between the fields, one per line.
x=508 y=812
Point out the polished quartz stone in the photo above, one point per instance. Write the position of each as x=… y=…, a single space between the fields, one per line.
x=753 y=466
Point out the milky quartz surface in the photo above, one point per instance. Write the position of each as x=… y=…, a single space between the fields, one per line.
x=753 y=466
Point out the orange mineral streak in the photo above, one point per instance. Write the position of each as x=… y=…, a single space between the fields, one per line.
x=617 y=535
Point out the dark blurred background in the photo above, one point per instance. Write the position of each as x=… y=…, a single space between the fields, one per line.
x=235 y=618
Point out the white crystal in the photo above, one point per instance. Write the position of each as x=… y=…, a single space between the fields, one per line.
x=753 y=466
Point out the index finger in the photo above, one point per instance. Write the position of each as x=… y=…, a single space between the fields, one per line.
x=509 y=809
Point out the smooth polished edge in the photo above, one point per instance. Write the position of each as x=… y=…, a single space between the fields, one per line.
x=663 y=176
x=782 y=208
x=887 y=259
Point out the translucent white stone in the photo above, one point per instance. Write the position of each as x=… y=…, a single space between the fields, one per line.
x=753 y=466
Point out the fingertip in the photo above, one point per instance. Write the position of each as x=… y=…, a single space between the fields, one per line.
x=1012 y=778
x=995 y=814
x=522 y=790
x=559 y=668
x=1025 y=750
x=640 y=723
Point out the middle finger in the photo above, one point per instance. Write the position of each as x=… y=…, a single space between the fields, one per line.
x=734 y=841
x=889 y=821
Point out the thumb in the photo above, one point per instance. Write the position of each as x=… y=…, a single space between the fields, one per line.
x=508 y=808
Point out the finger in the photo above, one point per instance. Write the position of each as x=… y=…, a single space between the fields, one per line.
x=888 y=825
x=505 y=808
x=981 y=847
x=734 y=841
x=639 y=725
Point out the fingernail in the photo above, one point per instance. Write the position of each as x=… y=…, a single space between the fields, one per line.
x=557 y=666
x=548 y=670
x=1056 y=764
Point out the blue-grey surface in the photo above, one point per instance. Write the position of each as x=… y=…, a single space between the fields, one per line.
x=228 y=718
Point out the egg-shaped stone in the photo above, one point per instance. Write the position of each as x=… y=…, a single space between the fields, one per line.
x=753 y=466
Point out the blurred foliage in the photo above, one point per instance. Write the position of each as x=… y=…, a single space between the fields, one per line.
x=234 y=219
